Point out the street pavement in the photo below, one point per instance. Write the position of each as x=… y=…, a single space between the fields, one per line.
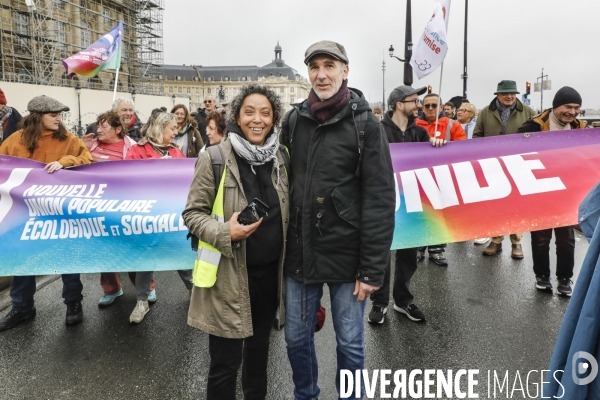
x=482 y=313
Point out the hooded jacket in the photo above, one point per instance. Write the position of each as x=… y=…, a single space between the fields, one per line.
x=541 y=123
x=456 y=130
x=341 y=224
x=11 y=125
x=68 y=152
x=489 y=122
x=413 y=133
x=224 y=309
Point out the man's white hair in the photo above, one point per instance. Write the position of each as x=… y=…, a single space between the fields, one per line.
x=119 y=100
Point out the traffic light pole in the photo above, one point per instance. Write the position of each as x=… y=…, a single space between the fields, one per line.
x=465 y=52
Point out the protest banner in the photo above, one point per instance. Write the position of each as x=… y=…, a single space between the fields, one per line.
x=126 y=215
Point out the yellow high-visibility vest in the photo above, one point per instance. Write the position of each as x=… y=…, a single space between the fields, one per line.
x=207 y=258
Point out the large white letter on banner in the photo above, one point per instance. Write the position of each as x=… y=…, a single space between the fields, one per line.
x=16 y=178
x=498 y=184
x=520 y=170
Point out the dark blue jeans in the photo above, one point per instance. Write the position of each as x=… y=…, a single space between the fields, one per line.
x=22 y=290
x=302 y=303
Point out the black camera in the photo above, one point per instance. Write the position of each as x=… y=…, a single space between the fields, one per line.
x=253 y=212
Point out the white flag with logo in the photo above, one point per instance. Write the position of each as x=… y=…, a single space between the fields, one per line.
x=430 y=51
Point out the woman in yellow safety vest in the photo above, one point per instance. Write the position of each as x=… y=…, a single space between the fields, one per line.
x=238 y=276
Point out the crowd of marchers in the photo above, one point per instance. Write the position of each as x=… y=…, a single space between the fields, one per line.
x=281 y=204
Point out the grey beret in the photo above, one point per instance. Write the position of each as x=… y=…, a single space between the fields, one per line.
x=328 y=47
x=45 y=104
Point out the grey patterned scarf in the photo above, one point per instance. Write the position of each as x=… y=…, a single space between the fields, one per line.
x=254 y=154
x=504 y=112
x=5 y=114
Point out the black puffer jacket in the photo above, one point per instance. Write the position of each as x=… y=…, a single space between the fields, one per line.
x=341 y=226
x=413 y=133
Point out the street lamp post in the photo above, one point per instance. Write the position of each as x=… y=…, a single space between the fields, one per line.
x=383 y=102
x=408 y=73
x=465 y=52
x=173 y=97
x=221 y=93
x=78 y=91
x=133 y=95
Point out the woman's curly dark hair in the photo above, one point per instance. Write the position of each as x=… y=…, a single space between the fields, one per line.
x=247 y=90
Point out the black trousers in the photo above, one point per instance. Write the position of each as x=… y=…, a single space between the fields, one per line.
x=438 y=248
x=404 y=268
x=226 y=355
x=565 y=251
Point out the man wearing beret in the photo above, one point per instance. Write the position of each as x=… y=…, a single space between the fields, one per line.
x=503 y=116
x=9 y=119
x=341 y=215
x=562 y=116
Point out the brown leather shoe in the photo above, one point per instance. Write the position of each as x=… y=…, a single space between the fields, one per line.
x=517 y=252
x=492 y=249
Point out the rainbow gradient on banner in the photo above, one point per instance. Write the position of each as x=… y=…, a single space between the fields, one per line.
x=102 y=54
x=492 y=186
x=126 y=215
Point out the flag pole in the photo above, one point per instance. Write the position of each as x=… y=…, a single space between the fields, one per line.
x=116 y=82
x=439 y=102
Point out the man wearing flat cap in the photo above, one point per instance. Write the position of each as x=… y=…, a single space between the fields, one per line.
x=503 y=116
x=341 y=214
x=561 y=117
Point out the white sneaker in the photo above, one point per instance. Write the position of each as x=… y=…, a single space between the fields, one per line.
x=140 y=310
x=481 y=240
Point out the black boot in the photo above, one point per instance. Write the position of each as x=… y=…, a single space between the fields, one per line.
x=13 y=318
x=74 y=313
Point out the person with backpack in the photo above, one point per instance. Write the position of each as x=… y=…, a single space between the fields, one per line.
x=237 y=207
x=342 y=214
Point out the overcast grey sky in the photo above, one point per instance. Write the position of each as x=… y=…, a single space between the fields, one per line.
x=508 y=39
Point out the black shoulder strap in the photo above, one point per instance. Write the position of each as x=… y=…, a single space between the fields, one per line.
x=292 y=119
x=216 y=159
x=359 y=123
x=286 y=157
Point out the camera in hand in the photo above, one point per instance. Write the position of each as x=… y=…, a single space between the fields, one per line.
x=253 y=212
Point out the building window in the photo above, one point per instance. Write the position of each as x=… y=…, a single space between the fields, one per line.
x=292 y=89
x=59 y=4
x=197 y=91
x=197 y=99
x=244 y=78
x=86 y=36
x=171 y=89
x=235 y=91
x=282 y=89
x=226 y=79
x=189 y=90
x=208 y=90
x=178 y=90
x=106 y=15
x=22 y=24
x=291 y=98
x=210 y=79
x=61 y=36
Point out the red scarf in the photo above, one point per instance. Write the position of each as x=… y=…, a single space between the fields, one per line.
x=133 y=119
x=325 y=110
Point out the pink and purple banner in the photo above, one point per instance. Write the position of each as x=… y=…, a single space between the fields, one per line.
x=126 y=215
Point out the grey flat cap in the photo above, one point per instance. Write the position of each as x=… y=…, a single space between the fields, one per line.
x=402 y=92
x=328 y=47
x=45 y=104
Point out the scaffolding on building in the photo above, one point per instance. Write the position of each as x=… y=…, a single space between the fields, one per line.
x=36 y=35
